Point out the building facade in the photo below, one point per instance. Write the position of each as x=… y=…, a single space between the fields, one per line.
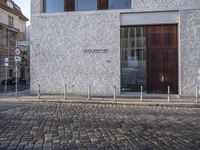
x=12 y=29
x=122 y=43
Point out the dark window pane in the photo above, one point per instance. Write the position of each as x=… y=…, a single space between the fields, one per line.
x=54 y=6
x=119 y=4
x=125 y=33
x=86 y=5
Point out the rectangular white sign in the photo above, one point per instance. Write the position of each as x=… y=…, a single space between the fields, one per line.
x=23 y=43
x=17 y=59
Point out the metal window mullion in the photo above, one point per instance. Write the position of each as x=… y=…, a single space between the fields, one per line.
x=128 y=43
x=135 y=39
x=142 y=43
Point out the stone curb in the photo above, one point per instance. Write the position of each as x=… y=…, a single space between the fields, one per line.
x=135 y=102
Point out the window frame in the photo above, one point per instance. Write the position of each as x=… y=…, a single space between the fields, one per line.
x=72 y=5
x=102 y=4
x=69 y=5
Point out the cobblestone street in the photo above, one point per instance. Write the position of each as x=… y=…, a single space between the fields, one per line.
x=57 y=126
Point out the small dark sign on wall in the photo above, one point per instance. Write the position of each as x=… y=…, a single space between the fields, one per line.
x=95 y=50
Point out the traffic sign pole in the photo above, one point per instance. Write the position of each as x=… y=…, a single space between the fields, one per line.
x=6 y=64
x=5 y=88
x=16 y=80
x=17 y=52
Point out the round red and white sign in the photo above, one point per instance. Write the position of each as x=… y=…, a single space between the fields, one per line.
x=17 y=51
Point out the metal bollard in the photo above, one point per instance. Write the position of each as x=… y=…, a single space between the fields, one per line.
x=65 y=92
x=39 y=91
x=141 y=94
x=197 y=94
x=168 y=93
x=89 y=92
x=115 y=93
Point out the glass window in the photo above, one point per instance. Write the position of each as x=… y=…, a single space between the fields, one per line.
x=86 y=5
x=1 y=36
x=5 y=37
x=53 y=6
x=119 y=4
x=133 y=59
x=10 y=21
x=10 y=73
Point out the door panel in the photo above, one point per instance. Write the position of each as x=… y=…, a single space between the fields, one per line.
x=154 y=37
x=169 y=36
x=162 y=59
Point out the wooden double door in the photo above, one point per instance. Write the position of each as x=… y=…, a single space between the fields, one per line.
x=162 y=59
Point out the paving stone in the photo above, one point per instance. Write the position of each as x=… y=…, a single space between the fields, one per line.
x=12 y=147
x=47 y=145
x=57 y=126
x=56 y=141
x=14 y=143
x=29 y=146
x=20 y=147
